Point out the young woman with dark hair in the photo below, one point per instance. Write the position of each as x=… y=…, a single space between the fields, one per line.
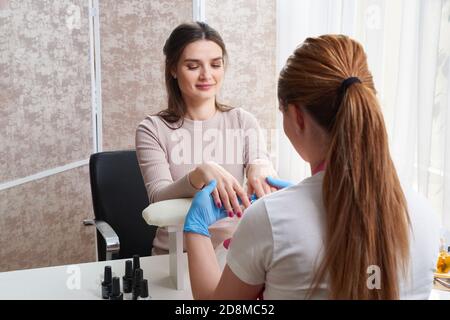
x=196 y=139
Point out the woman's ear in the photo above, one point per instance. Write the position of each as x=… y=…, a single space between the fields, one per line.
x=174 y=73
x=298 y=117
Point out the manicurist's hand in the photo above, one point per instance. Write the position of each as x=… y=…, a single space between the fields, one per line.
x=227 y=190
x=278 y=183
x=203 y=212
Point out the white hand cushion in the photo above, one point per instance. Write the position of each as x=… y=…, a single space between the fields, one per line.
x=167 y=213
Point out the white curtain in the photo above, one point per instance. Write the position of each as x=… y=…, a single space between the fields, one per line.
x=408 y=48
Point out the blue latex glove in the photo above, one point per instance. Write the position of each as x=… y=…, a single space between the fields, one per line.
x=278 y=183
x=203 y=212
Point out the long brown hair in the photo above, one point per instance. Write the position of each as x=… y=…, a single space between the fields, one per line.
x=367 y=222
x=180 y=37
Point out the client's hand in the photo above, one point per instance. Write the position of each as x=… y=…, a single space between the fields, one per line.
x=228 y=190
x=256 y=178
x=203 y=212
x=278 y=183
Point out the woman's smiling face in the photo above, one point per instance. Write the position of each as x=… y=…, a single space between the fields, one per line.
x=200 y=70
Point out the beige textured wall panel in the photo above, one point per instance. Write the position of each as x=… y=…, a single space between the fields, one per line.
x=45 y=103
x=41 y=222
x=248 y=28
x=132 y=37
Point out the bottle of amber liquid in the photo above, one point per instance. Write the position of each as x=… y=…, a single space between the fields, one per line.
x=443 y=263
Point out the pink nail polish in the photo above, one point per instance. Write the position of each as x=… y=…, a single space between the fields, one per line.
x=230 y=214
x=219 y=205
x=239 y=214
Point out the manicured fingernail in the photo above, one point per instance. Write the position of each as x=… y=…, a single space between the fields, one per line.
x=219 y=205
x=239 y=214
x=230 y=214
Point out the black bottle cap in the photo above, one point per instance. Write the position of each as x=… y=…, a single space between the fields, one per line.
x=115 y=286
x=128 y=269
x=116 y=294
x=136 y=262
x=138 y=277
x=106 y=283
x=108 y=275
x=144 y=288
x=127 y=279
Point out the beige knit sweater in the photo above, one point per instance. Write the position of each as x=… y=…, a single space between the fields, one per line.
x=166 y=154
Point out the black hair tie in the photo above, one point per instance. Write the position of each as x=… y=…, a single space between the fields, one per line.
x=347 y=83
x=343 y=87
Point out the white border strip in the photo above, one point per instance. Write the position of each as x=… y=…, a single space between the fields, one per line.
x=98 y=77
x=92 y=13
x=43 y=174
x=199 y=10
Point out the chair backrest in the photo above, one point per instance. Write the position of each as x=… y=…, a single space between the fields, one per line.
x=119 y=197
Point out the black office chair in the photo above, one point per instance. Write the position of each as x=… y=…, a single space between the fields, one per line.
x=119 y=197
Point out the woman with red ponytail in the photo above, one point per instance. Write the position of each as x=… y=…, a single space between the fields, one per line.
x=351 y=230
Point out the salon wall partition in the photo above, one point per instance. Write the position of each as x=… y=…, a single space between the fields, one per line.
x=77 y=77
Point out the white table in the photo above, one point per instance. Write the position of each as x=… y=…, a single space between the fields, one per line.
x=83 y=281
x=439 y=295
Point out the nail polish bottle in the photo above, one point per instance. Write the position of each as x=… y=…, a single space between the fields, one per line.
x=138 y=277
x=443 y=263
x=116 y=294
x=144 y=291
x=107 y=283
x=127 y=280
